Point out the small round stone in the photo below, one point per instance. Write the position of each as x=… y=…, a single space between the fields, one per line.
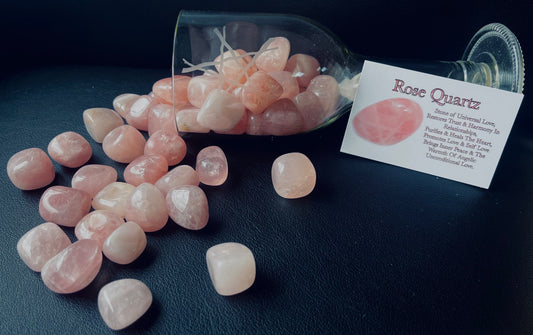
x=123 y=144
x=178 y=176
x=64 y=205
x=212 y=166
x=113 y=198
x=93 y=178
x=123 y=102
x=98 y=225
x=30 y=169
x=125 y=244
x=276 y=59
x=293 y=175
x=187 y=206
x=147 y=207
x=168 y=144
x=70 y=149
x=145 y=169
x=100 y=121
x=137 y=116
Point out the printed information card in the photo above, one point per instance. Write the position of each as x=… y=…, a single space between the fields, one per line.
x=440 y=126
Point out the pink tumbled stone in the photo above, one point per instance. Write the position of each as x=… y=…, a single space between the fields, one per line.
x=327 y=90
x=178 y=176
x=123 y=102
x=280 y=118
x=97 y=225
x=40 y=244
x=303 y=67
x=212 y=166
x=64 y=205
x=30 y=169
x=238 y=129
x=137 y=116
x=113 y=198
x=145 y=169
x=200 y=87
x=163 y=90
x=293 y=175
x=147 y=207
x=125 y=244
x=93 y=178
x=123 y=144
x=276 y=59
x=187 y=206
x=311 y=110
x=187 y=121
x=161 y=117
x=100 y=121
x=74 y=268
x=168 y=144
x=232 y=65
x=220 y=111
x=389 y=121
x=288 y=82
x=70 y=149
x=260 y=91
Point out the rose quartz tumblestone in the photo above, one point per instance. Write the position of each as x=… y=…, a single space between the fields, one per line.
x=232 y=65
x=70 y=149
x=145 y=169
x=178 y=176
x=212 y=166
x=187 y=206
x=288 y=82
x=30 y=169
x=97 y=225
x=280 y=118
x=41 y=243
x=147 y=206
x=293 y=175
x=327 y=90
x=100 y=121
x=310 y=108
x=200 y=87
x=123 y=144
x=389 y=121
x=187 y=121
x=168 y=144
x=125 y=244
x=259 y=91
x=113 y=198
x=123 y=102
x=163 y=90
x=303 y=67
x=276 y=59
x=238 y=129
x=231 y=267
x=64 y=205
x=93 y=178
x=161 y=117
x=220 y=111
x=138 y=114
x=123 y=301
x=74 y=268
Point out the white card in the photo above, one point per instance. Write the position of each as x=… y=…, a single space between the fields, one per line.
x=436 y=125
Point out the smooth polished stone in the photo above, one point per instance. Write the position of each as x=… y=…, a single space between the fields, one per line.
x=310 y=108
x=389 y=121
x=98 y=225
x=276 y=59
x=163 y=90
x=100 y=121
x=113 y=198
x=30 y=169
x=161 y=117
x=123 y=102
x=147 y=206
x=178 y=176
x=238 y=129
x=40 y=244
x=64 y=205
x=187 y=121
x=293 y=175
x=74 y=268
x=138 y=114
x=234 y=66
x=303 y=67
x=93 y=178
x=123 y=301
x=200 y=87
x=231 y=267
x=327 y=90
x=220 y=111
x=70 y=149
x=212 y=166
x=259 y=91
x=125 y=244
x=123 y=144
x=288 y=82
x=187 y=206
x=281 y=118
x=145 y=169
x=168 y=144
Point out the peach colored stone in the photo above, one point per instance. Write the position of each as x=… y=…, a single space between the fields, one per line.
x=64 y=205
x=327 y=90
x=238 y=129
x=234 y=66
x=123 y=102
x=161 y=117
x=220 y=111
x=147 y=207
x=231 y=267
x=200 y=87
x=281 y=118
x=163 y=90
x=389 y=121
x=178 y=176
x=137 y=116
x=125 y=244
x=187 y=206
x=70 y=149
x=187 y=121
x=311 y=110
x=100 y=121
x=74 y=268
x=168 y=144
x=123 y=301
x=113 y=198
x=123 y=144
x=288 y=82
x=259 y=91
x=212 y=166
x=97 y=225
x=293 y=175
x=303 y=67
x=30 y=169
x=276 y=59
x=40 y=244
x=93 y=178
x=145 y=169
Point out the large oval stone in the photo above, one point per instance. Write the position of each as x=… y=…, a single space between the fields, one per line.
x=168 y=144
x=93 y=178
x=123 y=144
x=187 y=206
x=98 y=225
x=147 y=207
x=125 y=244
x=64 y=205
x=70 y=149
x=276 y=58
x=30 y=169
x=293 y=175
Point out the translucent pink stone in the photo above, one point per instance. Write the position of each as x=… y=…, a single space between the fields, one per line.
x=187 y=121
x=260 y=91
x=288 y=82
x=70 y=149
x=293 y=175
x=98 y=225
x=303 y=67
x=234 y=66
x=389 y=121
x=100 y=121
x=123 y=144
x=64 y=205
x=168 y=144
x=212 y=166
x=238 y=129
x=187 y=206
x=113 y=198
x=178 y=176
x=147 y=207
x=163 y=90
x=161 y=117
x=231 y=267
x=145 y=169
x=125 y=244
x=280 y=118
x=276 y=59
x=327 y=90
x=30 y=169
x=200 y=87
x=40 y=244
x=123 y=102
x=311 y=110
x=93 y=178
x=138 y=114
x=74 y=268
x=220 y=111
x=123 y=301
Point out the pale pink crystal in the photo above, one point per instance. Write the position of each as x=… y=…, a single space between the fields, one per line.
x=147 y=207
x=276 y=59
x=123 y=144
x=231 y=267
x=259 y=91
x=238 y=129
x=178 y=176
x=123 y=301
x=234 y=66
x=123 y=102
x=220 y=111
x=293 y=175
x=145 y=169
x=113 y=198
x=327 y=90
x=93 y=178
x=97 y=225
x=303 y=67
x=187 y=206
x=70 y=149
x=100 y=121
x=30 y=169
x=200 y=87
x=187 y=121
x=288 y=82
x=40 y=244
x=168 y=144
x=212 y=166
x=161 y=117
x=280 y=118
x=163 y=90
x=137 y=116
x=312 y=111
x=125 y=244
x=389 y=121
x=74 y=268
x=64 y=205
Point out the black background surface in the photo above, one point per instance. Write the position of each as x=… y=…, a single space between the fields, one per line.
x=375 y=249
